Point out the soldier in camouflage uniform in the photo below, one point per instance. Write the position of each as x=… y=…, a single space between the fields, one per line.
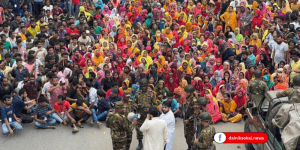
x=257 y=89
x=116 y=121
x=128 y=107
x=199 y=107
x=206 y=138
x=188 y=112
x=143 y=101
x=292 y=93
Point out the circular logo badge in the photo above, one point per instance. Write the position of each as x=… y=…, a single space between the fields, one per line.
x=220 y=137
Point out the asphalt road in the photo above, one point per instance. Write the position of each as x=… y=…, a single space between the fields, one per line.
x=94 y=138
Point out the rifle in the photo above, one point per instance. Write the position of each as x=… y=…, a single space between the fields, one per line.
x=197 y=128
x=183 y=116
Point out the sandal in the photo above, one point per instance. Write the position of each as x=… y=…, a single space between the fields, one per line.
x=79 y=125
x=92 y=123
x=99 y=124
x=75 y=130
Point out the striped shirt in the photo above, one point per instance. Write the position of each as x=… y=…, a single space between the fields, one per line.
x=41 y=111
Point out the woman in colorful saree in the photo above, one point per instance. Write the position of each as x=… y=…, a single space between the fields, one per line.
x=228 y=110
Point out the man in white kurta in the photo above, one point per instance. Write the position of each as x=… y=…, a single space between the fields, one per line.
x=169 y=118
x=154 y=130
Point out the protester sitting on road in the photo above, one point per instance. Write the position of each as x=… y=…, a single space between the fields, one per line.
x=10 y=122
x=114 y=85
x=23 y=107
x=114 y=97
x=61 y=106
x=92 y=99
x=103 y=107
x=44 y=115
x=228 y=107
x=78 y=112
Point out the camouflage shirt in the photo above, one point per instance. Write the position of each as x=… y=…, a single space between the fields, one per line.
x=293 y=94
x=144 y=100
x=117 y=124
x=128 y=108
x=206 y=138
x=189 y=110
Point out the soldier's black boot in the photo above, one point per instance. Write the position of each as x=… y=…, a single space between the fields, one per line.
x=140 y=146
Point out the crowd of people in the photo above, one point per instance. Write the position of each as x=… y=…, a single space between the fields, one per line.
x=71 y=60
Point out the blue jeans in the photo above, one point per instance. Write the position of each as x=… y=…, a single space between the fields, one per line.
x=56 y=117
x=68 y=5
x=39 y=80
x=75 y=10
x=14 y=125
x=100 y=116
x=64 y=116
x=51 y=120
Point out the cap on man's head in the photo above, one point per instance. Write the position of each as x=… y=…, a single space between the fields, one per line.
x=119 y=104
x=114 y=91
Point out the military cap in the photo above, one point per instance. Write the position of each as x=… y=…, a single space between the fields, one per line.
x=201 y=101
x=205 y=116
x=126 y=94
x=257 y=73
x=296 y=80
x=144 y=82
x=189 y=89
x=119 y=104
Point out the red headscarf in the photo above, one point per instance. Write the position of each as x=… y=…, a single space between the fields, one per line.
x=122 y=45
x=240 y=101
x=197 y=10
x=257 y=20
x=208 y=87
x=215 y=67
x=170 y=86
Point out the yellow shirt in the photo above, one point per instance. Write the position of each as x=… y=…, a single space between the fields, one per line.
x=78 y=112
x=34 y=31
x=74 y=105
x=41 y=24
x=23 y=37
x=294 y=66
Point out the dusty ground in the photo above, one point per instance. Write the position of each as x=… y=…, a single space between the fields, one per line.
x=92 y=138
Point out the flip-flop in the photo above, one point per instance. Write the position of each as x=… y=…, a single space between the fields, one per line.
x=80 y=126
x=99 y=124
x=75 y=131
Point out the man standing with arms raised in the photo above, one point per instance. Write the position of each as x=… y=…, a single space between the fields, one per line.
x=155 y=131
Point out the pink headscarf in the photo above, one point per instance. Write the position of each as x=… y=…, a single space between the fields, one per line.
x=101 y=75
x=213 y=109
x=106 y=12
x=111 y=22
x=212 y=57
x=197 y=10
x=264 y=9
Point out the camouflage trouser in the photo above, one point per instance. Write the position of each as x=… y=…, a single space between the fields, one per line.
x=139 y=134
x=189 y=133
x=117 y=145
x=129 y=139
